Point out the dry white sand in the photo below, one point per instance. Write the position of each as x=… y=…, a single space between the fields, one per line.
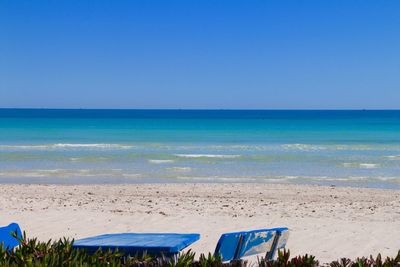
x=329 y=222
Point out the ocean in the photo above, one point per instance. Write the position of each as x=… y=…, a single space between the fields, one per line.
x=338 y=147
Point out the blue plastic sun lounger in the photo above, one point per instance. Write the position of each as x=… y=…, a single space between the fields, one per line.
x=234 y=246
x=6 y=236
x=157 y=244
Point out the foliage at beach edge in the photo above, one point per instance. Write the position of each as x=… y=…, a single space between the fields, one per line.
x=33 y=253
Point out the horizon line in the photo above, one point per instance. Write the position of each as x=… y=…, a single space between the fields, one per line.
x=212 y=109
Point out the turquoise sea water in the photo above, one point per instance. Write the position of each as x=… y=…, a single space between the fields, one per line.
x=355 y=148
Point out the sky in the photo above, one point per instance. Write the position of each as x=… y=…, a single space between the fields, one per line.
x=208 y=54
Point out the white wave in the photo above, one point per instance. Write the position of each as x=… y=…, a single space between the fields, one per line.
x=369 y=165
x=365 y=147
x=303 y=147
x=217 y=178
x=61 y=173
x=356 y=147
x=131 y=175
x=112 y=146
x=24 y=146
x=349 y=147
x=277 y=178
x=389 y=178
x=393 y=157
x=22 y=174
x=160 y=161
x=340 y=179
x=66 y=146
x=361 y=165
x=289 y=179
x=180 y=169
x=206 y=156
x=348 y=164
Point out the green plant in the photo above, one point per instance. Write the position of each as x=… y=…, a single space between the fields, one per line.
x=34 y=253
x=31 y=252
x=343 y=262
x=284 y=260
x=210 y=261
x=183 y=260
x=368 y=262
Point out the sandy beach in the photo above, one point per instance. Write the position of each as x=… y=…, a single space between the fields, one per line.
x=329 y=222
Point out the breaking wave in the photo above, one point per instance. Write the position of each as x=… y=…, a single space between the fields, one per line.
x=361 y=165
x=160 y=161
x=65 y=146
x=207 y=156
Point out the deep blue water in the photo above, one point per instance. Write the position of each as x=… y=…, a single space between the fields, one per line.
x=355 y=148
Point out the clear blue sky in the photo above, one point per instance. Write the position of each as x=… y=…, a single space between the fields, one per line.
x=200 y=54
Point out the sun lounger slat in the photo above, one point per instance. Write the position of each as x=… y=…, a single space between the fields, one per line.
x=132 y=243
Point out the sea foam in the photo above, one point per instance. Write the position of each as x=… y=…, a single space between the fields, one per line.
x=67 y=146
x=206 y=156
x=160 y=161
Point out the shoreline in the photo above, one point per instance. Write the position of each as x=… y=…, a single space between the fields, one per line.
x=329 y=222
x=159 y=182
